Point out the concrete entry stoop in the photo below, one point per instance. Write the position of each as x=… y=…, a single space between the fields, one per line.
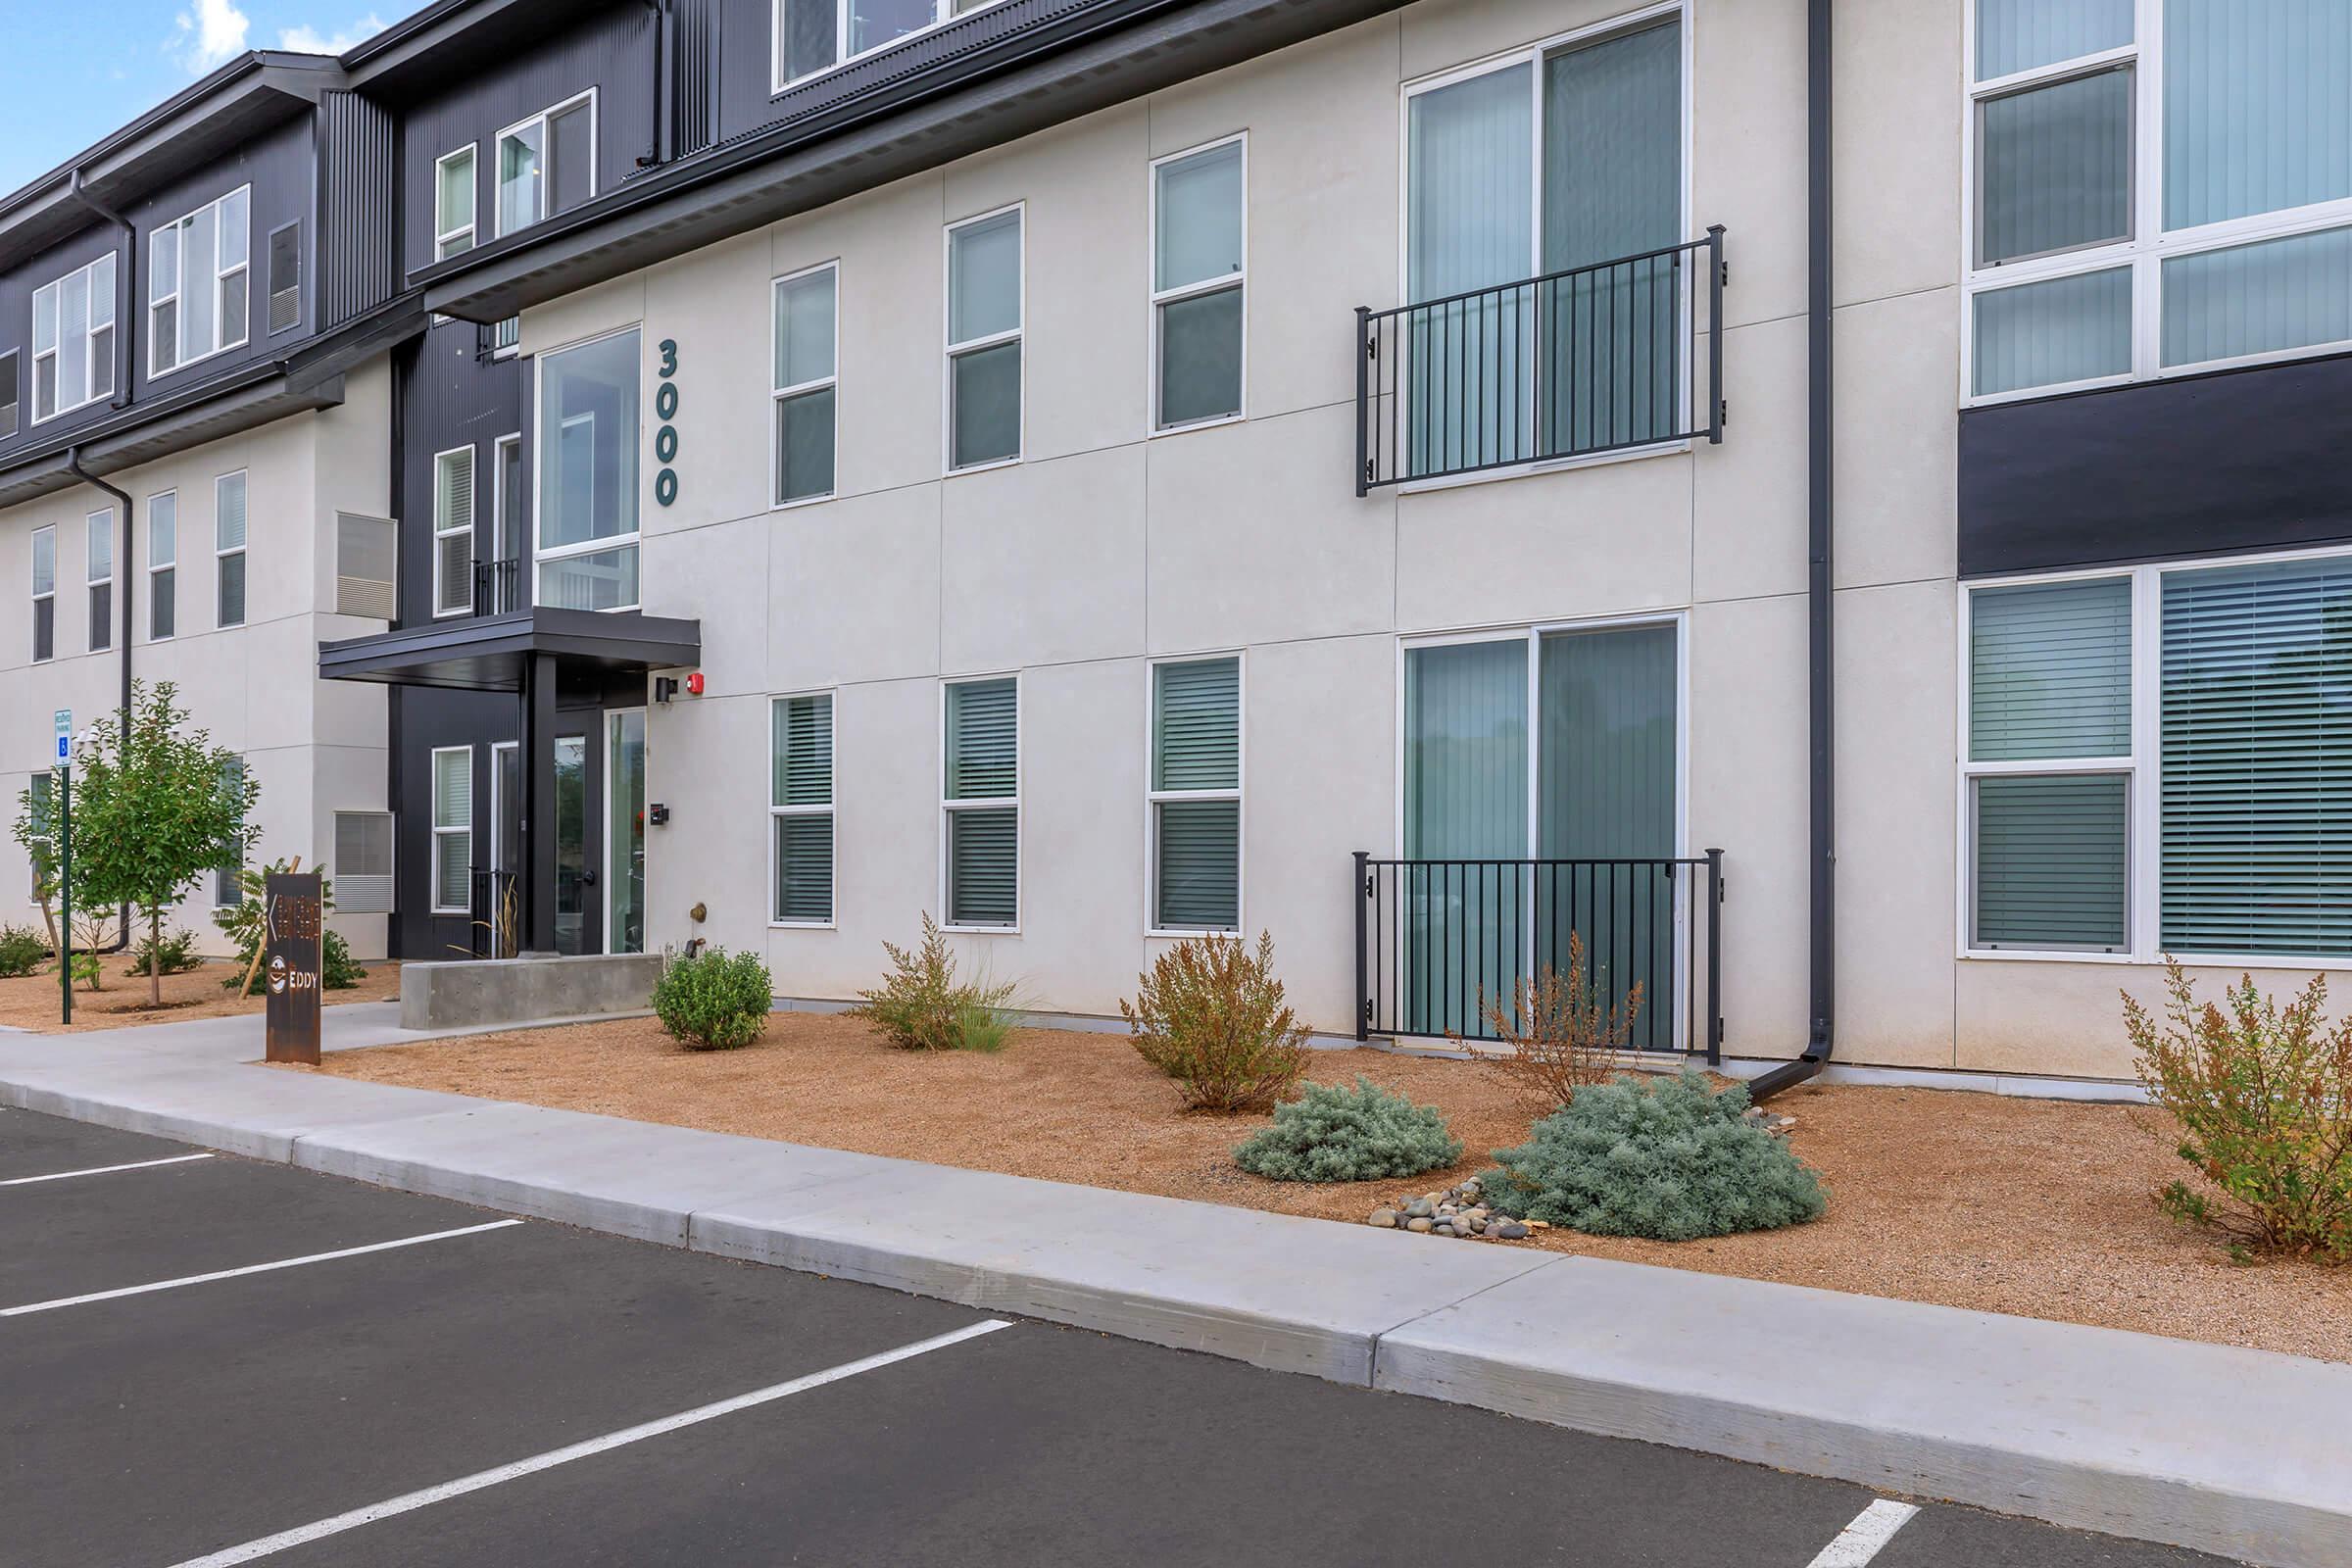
x=478 y=992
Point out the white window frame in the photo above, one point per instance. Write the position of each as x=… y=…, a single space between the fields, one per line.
x=471 y=227
x=220 y=553
x=1154 y=798
x=942 y=12
x=609 y=874
x=97 y=525
x=498 y=212
x=1533 y=54
x=949 y=807
x=215 y=276
x=54 y=290
x=1237 y=281
x=2143 y=814
x=506 y=520
x=498 y=807
x=442 y=834
x=171 y=565
x=776 y=397
x=540 y=556
x=2150 y=247
x=832 y=805
x=442 y=611
x=33 y=581
x=957 y=350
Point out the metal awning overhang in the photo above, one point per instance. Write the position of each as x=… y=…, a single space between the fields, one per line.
x=489 y=653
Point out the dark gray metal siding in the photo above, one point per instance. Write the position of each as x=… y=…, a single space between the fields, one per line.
x=359 y=181
x=2248 y=460
x=611 y=51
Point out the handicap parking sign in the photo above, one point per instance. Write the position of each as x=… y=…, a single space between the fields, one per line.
x=64 y=736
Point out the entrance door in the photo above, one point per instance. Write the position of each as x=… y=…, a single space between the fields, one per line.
x=578 y=915
x=1539 y=783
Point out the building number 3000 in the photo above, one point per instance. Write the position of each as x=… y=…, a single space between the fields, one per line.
x=665 y=439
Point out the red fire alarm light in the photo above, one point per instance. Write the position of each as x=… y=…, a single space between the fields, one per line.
x=693 y=684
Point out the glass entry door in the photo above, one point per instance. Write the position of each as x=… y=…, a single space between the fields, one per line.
x=576 y=914
x=624 y=831
x=1522 y=753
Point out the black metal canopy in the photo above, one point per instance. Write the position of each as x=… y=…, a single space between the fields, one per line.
x=490 y=652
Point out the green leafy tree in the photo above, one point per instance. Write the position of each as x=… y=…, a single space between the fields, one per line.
x=156 y=805
x=36 y=830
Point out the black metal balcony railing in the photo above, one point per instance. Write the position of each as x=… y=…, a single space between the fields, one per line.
x=498 y=338
x=1438 y=942
x=497 y=587
x=1617 y=355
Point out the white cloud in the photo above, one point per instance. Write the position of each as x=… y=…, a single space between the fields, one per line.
x=308 y=40
x=211 y=34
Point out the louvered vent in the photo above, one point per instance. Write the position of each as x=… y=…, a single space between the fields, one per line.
x=362 y=862
x=367 y=567
x=285 y=278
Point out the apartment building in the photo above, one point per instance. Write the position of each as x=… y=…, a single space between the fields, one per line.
x=1837 y=505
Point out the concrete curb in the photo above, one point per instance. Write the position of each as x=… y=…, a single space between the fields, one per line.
x=2238 y=1452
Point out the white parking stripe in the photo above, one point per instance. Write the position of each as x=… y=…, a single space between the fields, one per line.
x=1862 y=1540
x=101 y=1170
x=252 y=1268
x=411 y=1502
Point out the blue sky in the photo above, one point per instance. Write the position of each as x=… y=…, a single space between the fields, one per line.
x=57 y=95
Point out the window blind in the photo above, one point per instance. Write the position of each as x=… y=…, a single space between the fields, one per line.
x=2257 y=107
x=983 y=763
x=983 y=744
x=803 y=751
x=2050 y=672
x=1197 y=745
x=802 y=777
x=804 y=868
x=2051 y=863
x=453 y=532
x=2013 y=35
x=983 y=866
x=1200 y=866
x=1196 y=725
x=2257 y=770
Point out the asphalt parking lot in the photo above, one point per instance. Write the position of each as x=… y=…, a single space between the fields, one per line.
x=209 y=1361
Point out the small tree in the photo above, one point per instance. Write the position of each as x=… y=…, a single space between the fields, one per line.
x=36 y=830
x=156 y=805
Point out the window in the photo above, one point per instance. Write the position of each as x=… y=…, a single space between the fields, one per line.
x=228 y=549
x=454 y=195
x=1522 y=178
x=73 y=340
x=197 y=291
x=506 y=522
x=982 y=798
x=285 y=278
x=2156 y=763
x=44 y=593
x=162 y=559
x=587 y=479
x=453 y=830
x=228 y=878
x=506 y=806
x=99 y=573
x=453 y=532
x=364 y=862
x=800 y=806
x=41 y=854
x=813 y=36
x=547 y=165
x=2157 y=186
x=7 y=394
x=806 y=340
x=1196 y=262
x=984 y=340
x=1196 y=799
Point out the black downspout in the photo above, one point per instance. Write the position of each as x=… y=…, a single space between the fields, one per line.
x=122 y=577
x=1820 y=515
x=664 y=109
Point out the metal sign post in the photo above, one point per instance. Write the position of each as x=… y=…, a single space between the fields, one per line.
x=62 y=719
x=292 y=934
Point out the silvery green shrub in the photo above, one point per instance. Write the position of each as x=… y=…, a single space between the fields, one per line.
x=1334 y=1133
x=1672 y=1161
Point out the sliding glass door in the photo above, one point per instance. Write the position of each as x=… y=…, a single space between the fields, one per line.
x=1565 y=741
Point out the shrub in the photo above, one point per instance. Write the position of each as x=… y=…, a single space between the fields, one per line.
x=22 y=951
x=1334 y=1133
x=713 y=1000
x=1557 y=1037
x=920 y=1004
x=1210 y=1015
x=2263 y=1098
x=157 y=954
x=1673 y=1161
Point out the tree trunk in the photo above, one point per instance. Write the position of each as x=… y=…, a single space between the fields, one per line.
x=49 y=919
x=155 y=957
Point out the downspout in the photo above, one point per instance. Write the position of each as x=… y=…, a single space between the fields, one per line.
x=664 y=105
x=1820 y=517
x=123 y=576
x=122 y=320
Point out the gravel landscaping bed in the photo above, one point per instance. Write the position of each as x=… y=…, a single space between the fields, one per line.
x=31 y=1002
x=2038 y=1207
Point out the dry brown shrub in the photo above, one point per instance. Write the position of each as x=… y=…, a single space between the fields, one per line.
x=1557 y=1037
x=1212 y=1015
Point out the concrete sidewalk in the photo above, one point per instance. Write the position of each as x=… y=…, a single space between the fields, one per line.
x=2239 y=1453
